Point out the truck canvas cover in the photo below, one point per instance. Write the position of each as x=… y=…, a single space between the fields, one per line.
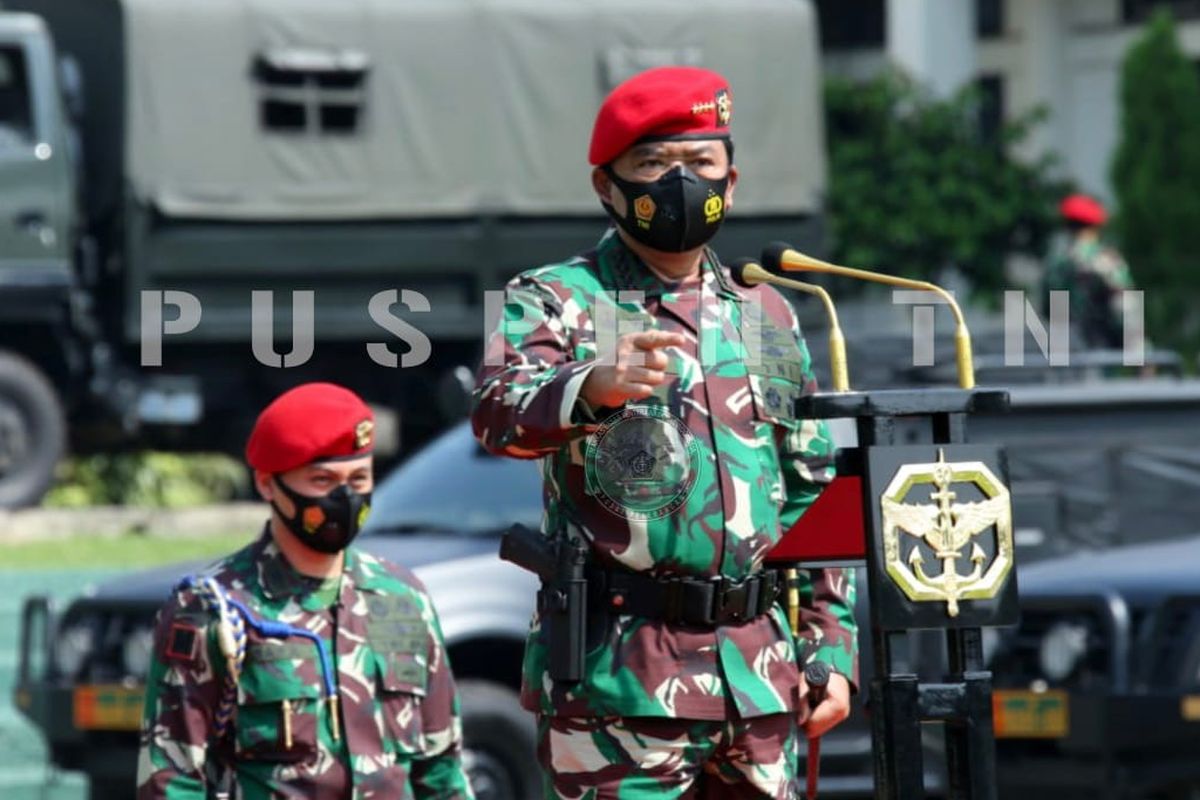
x=374 y=109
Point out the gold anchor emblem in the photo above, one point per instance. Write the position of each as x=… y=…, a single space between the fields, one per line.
x=947 y=527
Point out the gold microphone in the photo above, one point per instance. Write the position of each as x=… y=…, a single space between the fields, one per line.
x=780 y=256
x=747 y=272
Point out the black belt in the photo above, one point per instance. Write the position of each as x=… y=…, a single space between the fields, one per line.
x=682 y=600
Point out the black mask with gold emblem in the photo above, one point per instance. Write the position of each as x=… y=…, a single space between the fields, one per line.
x=678 y=212
x=326 y=523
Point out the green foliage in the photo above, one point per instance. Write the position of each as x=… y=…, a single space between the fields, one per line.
x=129 y=552
x=1156 y=172
x=148 y=479
x=915 y=187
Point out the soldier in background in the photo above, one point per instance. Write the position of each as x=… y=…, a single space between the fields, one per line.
x=302 y=666
x=1092 y=271
x=671 y=449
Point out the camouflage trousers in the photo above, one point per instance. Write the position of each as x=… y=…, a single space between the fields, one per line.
x=603 y=758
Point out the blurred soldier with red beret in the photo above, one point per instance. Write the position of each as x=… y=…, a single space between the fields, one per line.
x=659 y=395
x=301 y=666
x=1092 y=271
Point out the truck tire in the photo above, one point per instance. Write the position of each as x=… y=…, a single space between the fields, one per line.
x=499 y=743
x=32 y=432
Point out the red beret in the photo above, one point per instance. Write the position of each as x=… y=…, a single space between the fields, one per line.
x=312 y=422
x=1083 y=209
x=661 y=102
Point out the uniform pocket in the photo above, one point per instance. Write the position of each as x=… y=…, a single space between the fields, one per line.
x=277 y=712
x=401 y=678
x=775 y=417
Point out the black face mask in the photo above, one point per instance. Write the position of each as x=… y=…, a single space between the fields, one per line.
x=679 y=211
x=326 y=523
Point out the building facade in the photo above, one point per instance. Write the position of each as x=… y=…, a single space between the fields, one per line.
x=1064 y=55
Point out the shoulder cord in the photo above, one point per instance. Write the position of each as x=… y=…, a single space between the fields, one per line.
x=231 y=639
x=232 y=619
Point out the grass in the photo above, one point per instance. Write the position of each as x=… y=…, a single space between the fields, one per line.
x=131 y=551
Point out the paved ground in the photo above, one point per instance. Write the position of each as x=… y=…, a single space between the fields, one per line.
x=24 y=772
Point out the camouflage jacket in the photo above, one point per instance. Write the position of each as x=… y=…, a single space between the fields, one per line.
x=1095 y=274
x=699 y=480
x=400 y=731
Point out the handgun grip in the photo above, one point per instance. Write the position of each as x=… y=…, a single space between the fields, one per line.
x=529 y=550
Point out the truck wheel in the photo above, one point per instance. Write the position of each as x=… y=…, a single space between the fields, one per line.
x=32 y=432
x=499 y=743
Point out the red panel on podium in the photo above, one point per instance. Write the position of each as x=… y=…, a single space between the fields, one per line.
x=830 y=530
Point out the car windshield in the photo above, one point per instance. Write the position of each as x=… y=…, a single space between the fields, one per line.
x=452 y=484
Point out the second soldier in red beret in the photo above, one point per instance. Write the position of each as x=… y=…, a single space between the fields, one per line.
x=1093 y=273
x=673 y=458
x=302 y=666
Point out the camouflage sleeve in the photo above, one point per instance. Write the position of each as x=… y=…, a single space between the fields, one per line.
x=526 y=400
x=439 y=772
x=183 y=688
x=1122 y=277
x=827 y=622
x=826 y=595
x=805 y=446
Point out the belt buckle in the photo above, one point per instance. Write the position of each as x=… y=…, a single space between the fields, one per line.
x=673 y=599
x=730 y=601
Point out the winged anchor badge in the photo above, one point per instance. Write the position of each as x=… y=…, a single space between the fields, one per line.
x=947 y=527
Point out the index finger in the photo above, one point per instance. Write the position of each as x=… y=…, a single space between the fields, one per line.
x=652 y=340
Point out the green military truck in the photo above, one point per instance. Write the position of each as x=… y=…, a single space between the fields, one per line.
x=167 y=165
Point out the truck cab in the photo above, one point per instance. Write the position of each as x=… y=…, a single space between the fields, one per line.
x=38 y=221
x=36 y=159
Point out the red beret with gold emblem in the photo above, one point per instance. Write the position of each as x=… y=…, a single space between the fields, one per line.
x=662 y=103
x=312 y=422
x=1083 y=209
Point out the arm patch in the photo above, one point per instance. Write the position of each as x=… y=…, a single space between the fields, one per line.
x=181 y=642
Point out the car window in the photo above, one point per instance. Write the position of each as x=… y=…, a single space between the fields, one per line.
x=16 y=110
x=453 y=484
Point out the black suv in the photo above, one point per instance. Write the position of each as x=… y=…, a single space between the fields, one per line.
x=1098 y=687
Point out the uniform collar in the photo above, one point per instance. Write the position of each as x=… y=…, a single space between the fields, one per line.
x=280 y=580
x=621 y=268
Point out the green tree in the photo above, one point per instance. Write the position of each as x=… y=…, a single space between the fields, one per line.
x=1156 y=172
x=916 y=187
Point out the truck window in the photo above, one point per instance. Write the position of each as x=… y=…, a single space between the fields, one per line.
x=16 y=108
x=314 y=91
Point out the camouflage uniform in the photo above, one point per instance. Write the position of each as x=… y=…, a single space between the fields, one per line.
x=746 y=472
x=1095 y=274
x=664 y=758
x=400 y=730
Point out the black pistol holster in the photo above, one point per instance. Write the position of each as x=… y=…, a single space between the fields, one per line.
x=562 y=601
x=568 y=580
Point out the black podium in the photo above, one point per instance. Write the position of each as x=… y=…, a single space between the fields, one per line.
x=931 y=517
